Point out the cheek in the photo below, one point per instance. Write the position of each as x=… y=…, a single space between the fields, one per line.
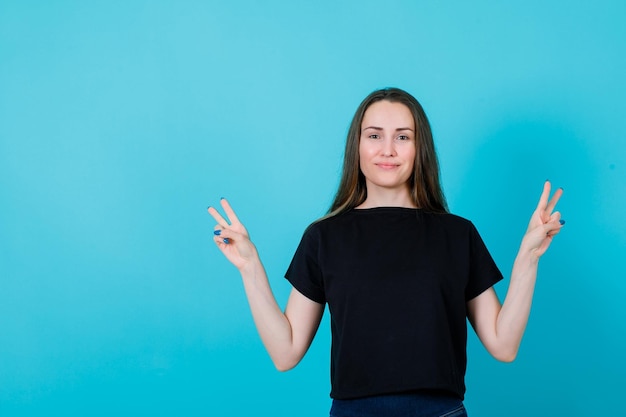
x=410 y=156
x=363 y=154
x=366 y=150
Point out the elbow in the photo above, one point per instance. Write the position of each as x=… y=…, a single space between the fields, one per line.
x=283 y=367
x=503 y=349
x=505 y=355
x=506 y=358
x=284 y=364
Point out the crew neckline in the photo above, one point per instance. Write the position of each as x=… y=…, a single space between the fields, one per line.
x=385 y=208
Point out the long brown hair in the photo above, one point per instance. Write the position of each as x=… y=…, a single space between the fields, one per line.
x=424 y=185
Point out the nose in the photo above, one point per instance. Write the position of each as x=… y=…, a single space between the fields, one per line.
x=388 y=147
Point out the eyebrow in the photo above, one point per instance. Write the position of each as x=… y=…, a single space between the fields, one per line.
x=380 y=128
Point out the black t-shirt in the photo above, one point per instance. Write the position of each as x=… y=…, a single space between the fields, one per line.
x=396 y=281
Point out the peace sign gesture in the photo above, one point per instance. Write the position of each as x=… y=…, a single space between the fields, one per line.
x=231 y=237
x=545 y=223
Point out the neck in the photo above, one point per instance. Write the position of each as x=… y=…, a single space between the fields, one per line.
x=377 y=197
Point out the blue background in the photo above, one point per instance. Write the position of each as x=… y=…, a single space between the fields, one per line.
x=121 y=121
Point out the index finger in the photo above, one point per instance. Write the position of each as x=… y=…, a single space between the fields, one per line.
x=218 y=217
x=555 y=198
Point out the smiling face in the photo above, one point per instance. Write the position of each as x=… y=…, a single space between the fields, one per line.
x=387 y=147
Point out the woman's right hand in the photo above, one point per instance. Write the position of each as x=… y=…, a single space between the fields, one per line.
x=232 y=238
x=288 y=335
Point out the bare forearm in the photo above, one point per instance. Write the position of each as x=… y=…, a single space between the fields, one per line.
x=501 y=327
x=271 y=323
x=513 y=317
x=286 y=336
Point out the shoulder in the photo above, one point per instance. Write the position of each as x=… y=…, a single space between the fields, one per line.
x=449 y=220
x=452 y=226
x=328 y=222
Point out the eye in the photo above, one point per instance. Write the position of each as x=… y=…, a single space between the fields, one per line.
x=374 y=136
x=404 y=137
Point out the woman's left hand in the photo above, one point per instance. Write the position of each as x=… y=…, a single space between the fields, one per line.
x=544 y=224
x=501 y=327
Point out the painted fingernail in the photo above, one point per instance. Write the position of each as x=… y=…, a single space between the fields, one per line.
x=226 y=240
x=221 y=198
x=562 y=222
x=217 y=232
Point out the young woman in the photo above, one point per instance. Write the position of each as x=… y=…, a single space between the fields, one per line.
x=399 y=273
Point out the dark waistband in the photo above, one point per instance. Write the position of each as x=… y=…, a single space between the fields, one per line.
x=421 y=403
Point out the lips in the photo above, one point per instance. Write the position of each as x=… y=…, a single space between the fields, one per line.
x=387 y=166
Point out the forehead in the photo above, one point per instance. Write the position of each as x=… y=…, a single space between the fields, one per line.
x=388 y=114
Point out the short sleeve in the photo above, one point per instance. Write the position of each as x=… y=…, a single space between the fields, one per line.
x=304 y=272
x=484 y=272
